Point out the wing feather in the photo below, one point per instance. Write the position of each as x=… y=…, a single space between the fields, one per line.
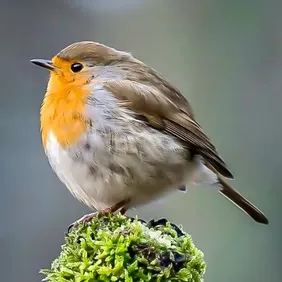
x=166 y=109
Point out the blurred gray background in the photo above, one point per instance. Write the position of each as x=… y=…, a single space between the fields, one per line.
x=225 y=57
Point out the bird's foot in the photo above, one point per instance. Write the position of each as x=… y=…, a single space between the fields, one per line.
x=88 y=217
x=84 y=219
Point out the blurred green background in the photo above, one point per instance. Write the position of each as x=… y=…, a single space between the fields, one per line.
x=225 y=57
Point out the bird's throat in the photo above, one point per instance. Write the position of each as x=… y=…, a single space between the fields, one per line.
x=63 y=113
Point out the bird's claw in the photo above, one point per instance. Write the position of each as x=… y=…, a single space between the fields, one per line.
x=84 y=219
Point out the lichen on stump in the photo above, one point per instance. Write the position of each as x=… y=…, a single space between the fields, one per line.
x=118 y=248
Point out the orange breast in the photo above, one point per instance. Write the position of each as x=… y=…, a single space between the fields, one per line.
x=62 y=111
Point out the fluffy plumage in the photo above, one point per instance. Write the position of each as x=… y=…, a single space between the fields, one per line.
x=118 y=130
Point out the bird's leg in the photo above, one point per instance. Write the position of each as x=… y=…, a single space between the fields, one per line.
x=124 y=210
x=88 y=217
x=121 y=205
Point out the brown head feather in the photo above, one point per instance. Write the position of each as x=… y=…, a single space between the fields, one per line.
x=92 y=52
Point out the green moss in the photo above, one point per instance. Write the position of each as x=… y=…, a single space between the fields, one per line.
x=118 y=248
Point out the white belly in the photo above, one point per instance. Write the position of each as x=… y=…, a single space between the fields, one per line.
x=101 y=172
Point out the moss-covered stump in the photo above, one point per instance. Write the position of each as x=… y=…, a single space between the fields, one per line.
x=118 y=248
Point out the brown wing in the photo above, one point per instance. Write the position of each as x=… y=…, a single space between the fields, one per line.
x=166 y=109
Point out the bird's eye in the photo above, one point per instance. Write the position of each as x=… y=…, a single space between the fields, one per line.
x=76 y=67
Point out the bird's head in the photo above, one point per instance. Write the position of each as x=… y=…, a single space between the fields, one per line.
x=81 y=62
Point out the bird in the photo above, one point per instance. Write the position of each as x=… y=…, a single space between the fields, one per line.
x=119 y=135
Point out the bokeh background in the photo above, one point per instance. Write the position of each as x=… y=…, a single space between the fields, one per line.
x=225 y=57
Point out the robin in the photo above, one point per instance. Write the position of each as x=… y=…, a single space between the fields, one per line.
x=119 y=135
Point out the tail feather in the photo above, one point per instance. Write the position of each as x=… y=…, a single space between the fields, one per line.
x=242 y=202
x=239 y=200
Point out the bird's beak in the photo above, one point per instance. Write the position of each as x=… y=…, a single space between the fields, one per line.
x=45 y=64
